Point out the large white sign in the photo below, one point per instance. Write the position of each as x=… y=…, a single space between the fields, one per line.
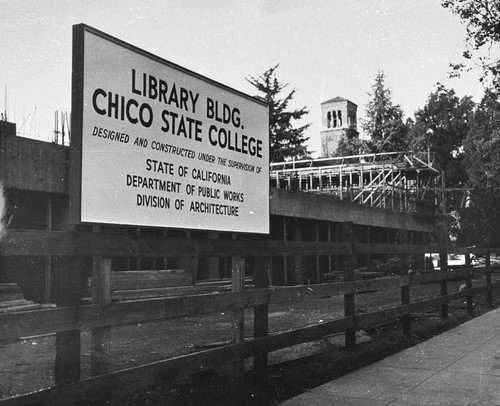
x=162 y=146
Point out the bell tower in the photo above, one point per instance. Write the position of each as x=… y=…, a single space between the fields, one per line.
x=338 y=115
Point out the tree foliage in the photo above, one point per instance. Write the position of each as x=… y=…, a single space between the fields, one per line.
x=441 y=127
x=384 y=123
x=286 y=141
x=481 y=217
x=482 y=144
x=483 y=34
x=350 y=144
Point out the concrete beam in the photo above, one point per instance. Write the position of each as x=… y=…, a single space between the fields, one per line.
x=305 y=205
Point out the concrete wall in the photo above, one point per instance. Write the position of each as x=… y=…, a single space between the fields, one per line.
x=34 y=165
x=310 y=206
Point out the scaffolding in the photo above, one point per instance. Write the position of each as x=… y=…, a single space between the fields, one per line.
x=400 y=181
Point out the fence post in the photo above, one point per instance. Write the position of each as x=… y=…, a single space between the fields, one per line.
x=261 y=319
x=101 y=294
x=443 y=266
x=489 y=292
x=405 y=290
x=349 y=299
x=67 y=365
x=238 y=285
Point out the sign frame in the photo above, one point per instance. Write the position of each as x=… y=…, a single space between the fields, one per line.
x=77 y=148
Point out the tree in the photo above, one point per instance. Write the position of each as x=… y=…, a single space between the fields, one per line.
x=441 y=127
x=384 y=123
x=482 y=144
x=483 y=35
x=286 y=141
x=350 y=144
x=480 y=220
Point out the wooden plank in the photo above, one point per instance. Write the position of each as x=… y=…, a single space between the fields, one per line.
x=436 y=276
x=38 y=322
x=298 y=336
x=489 y=292
x=295 y=293
x=47 y=321
x=101 y=294
x=82 y=317
x=128 y=280
x=381 y=316
x=9 y=288
x=158 y=309
x=68 y=342
x=136 y=294
x=9 y=296
x=14 y=302
x=86 y=243
x=436 y=302
x=21 y=307
x=93 y=244
x=261 y=318
x=443 y=261
x=394 y=313
x=238 y=317
x=470 y=302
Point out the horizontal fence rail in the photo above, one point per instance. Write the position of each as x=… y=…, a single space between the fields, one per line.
x=101 y=316
x=39 y=322
x=158 y=372
x=66 y=243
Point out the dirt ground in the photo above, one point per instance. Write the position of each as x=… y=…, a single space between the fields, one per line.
x=27 y=365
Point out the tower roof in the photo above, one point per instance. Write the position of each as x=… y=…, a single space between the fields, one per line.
x=338 y=99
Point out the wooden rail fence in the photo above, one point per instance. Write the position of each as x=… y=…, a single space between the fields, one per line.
x=70 y=319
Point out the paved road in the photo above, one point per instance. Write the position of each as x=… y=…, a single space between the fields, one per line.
x=459 y=367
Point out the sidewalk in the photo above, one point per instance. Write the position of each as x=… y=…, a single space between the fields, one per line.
x=458 y=367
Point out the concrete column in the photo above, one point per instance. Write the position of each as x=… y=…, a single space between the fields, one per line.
x=297 y=261
x=349 y=299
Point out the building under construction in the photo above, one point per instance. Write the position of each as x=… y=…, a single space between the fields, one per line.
x=400 y=181
x=392 y=190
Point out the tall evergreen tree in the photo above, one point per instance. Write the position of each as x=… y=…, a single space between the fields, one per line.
x=384 y=123
x=286 y=140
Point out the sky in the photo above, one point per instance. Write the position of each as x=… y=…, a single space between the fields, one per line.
x=324 y=48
